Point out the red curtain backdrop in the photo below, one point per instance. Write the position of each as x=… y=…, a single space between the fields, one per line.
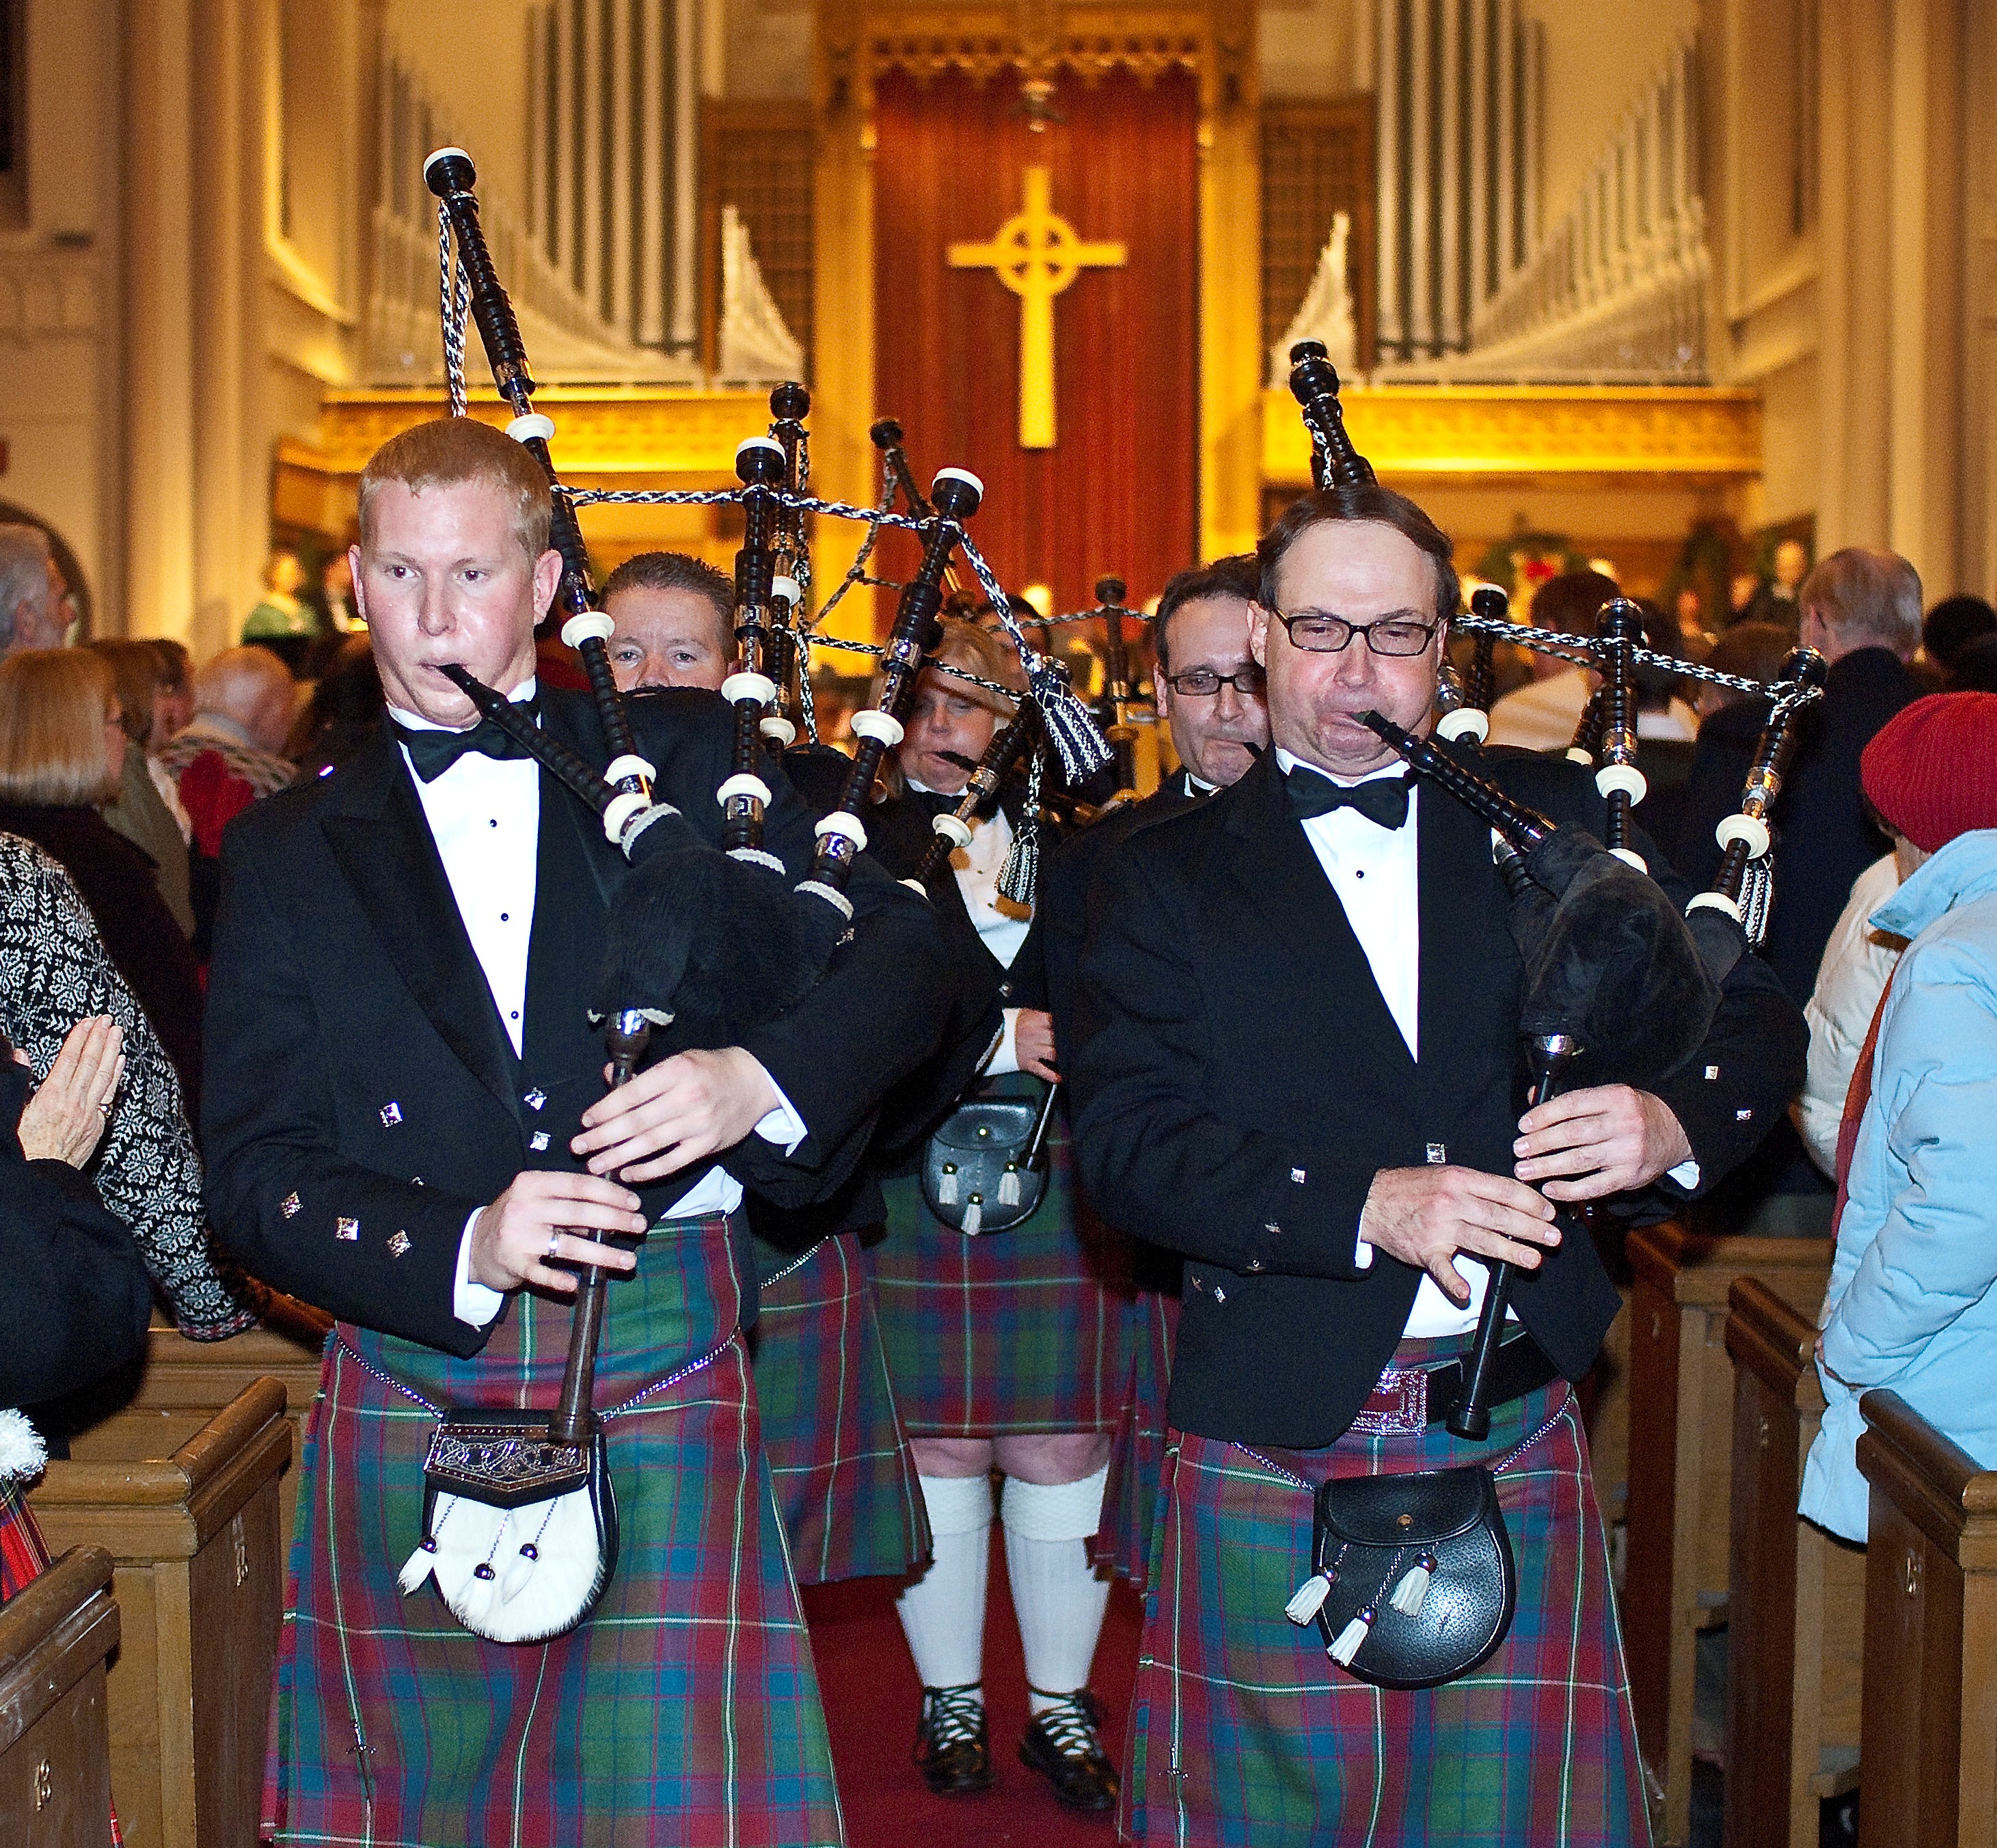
x=1116 y=495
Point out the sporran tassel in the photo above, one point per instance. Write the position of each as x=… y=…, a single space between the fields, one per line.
x=1414 y=1586
x=1308 y=1598
x=946 y=1188
x=1352 y=1639
x=974 y=1219
x=417 y=1569
x=518 y=1572
x=1009 y=1186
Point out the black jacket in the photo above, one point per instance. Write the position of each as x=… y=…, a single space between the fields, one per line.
x=1822 y=840
x=78 y=1299
x=1239 y=1081
x=363 y=1085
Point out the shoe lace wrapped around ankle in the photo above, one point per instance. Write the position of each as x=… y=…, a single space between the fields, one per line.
x=950 y=1715
x=1071 y=1723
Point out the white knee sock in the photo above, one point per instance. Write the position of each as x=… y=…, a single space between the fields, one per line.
x=1056 y=1595
x=942 y=1613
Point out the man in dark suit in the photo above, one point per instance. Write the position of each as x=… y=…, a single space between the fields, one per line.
x=1299 y=1066
x=408 y=1127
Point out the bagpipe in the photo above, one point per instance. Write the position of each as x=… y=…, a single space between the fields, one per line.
x=706 y=940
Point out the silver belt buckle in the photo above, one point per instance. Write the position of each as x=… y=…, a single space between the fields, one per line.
x=1399 y=1406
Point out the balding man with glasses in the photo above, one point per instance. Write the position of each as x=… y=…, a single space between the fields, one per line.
x=1299 y=1067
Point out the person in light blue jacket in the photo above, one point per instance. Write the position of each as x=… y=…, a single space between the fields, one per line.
x=1913 y=1300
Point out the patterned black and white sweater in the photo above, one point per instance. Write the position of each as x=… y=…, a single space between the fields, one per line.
x=53 y=971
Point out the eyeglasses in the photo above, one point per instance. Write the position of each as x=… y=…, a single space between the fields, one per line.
x=1202 y=683
x=1316 y=633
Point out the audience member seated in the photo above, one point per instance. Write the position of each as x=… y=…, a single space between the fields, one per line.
x=77 y=1300
x=228 y=756
x=1952 y=625
x=62 y=753
x=147 y=810
x=344 y=711
x=53 y=972
x=1777 y=599
x=35 y=607
x=1544 y=714
x=1857 y=964
x=1913 y=1300
x=173 y=697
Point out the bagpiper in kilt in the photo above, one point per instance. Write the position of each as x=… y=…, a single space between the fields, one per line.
x=846 y=1484
x=1007 y=1347
x=408 y=1127
x=1300 y=1069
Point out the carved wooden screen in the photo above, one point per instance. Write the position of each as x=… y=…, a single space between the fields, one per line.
x=750 y=160
x=1317 y=160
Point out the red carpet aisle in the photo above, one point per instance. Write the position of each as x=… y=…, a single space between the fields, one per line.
x=872 y=1697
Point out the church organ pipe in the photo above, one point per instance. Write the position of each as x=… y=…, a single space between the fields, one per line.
x=1458 y=89
x=842 y=835
x=450 y=175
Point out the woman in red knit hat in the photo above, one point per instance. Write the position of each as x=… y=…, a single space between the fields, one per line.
x=1912 y=1300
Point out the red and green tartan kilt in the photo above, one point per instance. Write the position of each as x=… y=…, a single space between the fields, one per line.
x=846 y=1485
x=1244 y=1732
x=1124 y=1540
x=1028 y=1330
x=684 y=1711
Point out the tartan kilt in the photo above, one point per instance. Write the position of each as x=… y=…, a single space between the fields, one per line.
x=24 y=1554
x=1137 y=1452
x=684 y=1711
x=846 y=1484
x=1244 y=1732
x=1028 y=1330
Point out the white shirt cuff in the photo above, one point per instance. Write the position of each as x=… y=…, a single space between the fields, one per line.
x=782 y=1126
x=1686 y=1174
x=1004 y=1056
x=1362 y=1254
x=473 y=1304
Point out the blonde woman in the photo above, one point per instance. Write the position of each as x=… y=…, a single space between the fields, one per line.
x=63 y=747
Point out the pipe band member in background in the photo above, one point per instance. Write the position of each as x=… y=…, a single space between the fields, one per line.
x=1011 y=1348
x=1209 y=693
x=1297 y=1067
x=845 y=1483
x=408 y=1127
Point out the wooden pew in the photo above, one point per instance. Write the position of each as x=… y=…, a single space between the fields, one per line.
x=1796 y=1594
x=55 y=1753
x=184 y=1384
x=1928 y=1718
x=1681 y=1402
x=200 y=1581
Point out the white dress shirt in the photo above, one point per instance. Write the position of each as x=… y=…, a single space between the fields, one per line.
x=1373 y=871
x=999 y=923
x=485 y=814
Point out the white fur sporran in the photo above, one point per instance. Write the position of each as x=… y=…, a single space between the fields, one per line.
x=519 y=1531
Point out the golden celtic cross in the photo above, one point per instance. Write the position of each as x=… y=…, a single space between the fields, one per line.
x=1036 y=254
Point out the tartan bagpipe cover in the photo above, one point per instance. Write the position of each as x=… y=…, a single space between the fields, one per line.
x=845 y=1482
x=684 y=1711
x=1243 y=1731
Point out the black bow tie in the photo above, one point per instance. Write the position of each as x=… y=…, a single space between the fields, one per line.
x=1383 y=802
x=431 y=752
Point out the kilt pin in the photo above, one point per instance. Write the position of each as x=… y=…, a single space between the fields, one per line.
x=845 y=1483
x=1242 y=1730
x=685 y=1710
